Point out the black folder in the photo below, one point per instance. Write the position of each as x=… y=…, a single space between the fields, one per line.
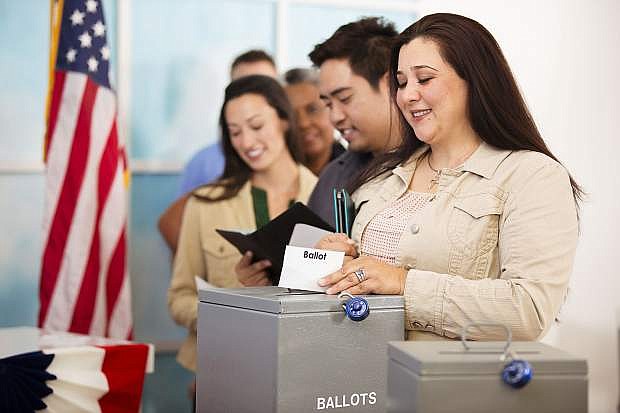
x=270 y=241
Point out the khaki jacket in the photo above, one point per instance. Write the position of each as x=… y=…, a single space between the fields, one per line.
x=495 y=244
x=203 y=252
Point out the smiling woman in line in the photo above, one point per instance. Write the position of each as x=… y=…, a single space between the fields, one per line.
x=262 y=178
x=472 y=218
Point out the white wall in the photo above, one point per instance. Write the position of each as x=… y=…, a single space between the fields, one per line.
x=566 y=57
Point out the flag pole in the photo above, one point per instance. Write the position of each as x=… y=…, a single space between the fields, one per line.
x=56 y=7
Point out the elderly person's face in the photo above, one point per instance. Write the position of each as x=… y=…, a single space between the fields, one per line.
x=430 y=94
x=317 y=133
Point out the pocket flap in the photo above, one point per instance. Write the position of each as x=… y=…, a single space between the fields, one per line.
x=480 y=205
x=218 y=247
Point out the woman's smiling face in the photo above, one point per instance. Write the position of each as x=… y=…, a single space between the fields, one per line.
x=256 y=131
x=430 y=95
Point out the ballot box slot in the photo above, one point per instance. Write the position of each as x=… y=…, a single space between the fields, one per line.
x=279 y=300
x=297 y=292
x=482 y=351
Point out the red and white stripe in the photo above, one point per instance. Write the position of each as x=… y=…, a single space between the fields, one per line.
x=102 y=379
x=84 y=283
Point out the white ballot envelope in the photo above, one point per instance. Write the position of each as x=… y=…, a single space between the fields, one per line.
x=305 y=235
x=304 y=265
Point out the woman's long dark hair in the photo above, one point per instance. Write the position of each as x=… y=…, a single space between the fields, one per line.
x=496 y=109
x=236 y=171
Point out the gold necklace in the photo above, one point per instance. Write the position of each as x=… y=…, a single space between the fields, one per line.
x=437 y=173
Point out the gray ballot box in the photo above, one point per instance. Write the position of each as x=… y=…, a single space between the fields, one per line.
x=443 y=376
x=270 y=349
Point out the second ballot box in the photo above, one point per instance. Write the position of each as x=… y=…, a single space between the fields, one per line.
x=270 y=349
x=446 y=377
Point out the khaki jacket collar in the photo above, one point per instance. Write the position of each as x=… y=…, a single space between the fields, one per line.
x=484 y=162
x=405 y=170
x=307 y=182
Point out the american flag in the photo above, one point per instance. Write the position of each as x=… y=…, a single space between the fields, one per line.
x=84 y=285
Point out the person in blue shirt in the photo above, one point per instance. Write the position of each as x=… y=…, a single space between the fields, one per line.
x=204 y=167
x=208 y=163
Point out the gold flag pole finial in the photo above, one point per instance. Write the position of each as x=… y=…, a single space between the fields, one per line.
x=56 y=7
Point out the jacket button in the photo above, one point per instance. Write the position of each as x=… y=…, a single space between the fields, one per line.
x=415 y=228
x=221 y=249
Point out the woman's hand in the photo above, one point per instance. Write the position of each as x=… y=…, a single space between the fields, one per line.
x=252 y=275
x=338 y=242
x=376 y=278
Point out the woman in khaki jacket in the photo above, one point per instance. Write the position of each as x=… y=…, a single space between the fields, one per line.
x=262 y=177
x=472 y=219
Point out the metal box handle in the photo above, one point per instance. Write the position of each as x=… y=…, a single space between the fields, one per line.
x=516 y=372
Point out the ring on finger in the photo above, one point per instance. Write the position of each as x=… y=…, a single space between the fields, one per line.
x=360 y=274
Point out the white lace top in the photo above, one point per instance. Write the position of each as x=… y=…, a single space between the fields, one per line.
x=382 y=235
